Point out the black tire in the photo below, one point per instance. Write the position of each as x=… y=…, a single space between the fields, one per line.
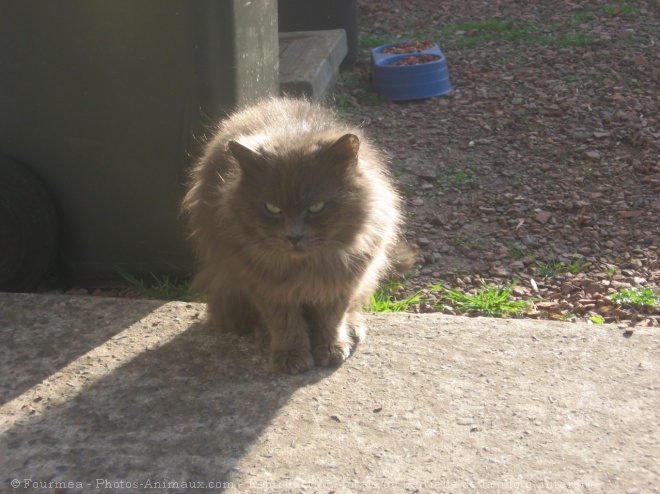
x=29 y=230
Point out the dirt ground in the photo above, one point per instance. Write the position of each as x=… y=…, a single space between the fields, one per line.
x=542 y=165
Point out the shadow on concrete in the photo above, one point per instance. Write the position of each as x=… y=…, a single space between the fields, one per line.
x=187 y=411
x=39 y=335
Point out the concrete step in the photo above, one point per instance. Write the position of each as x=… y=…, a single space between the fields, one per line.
x=116 y=395
x=309 y=62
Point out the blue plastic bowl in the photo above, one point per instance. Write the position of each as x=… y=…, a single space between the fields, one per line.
x=408 y=82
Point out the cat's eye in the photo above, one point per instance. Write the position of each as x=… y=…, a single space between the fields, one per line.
x=272 y=209
x=317 y=208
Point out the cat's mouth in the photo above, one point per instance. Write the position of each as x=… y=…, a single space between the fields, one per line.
x=298 y=251
x=297 y=245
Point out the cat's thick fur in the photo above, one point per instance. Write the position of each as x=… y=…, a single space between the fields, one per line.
x=295 y=221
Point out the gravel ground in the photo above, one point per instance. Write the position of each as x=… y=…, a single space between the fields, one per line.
x=542 y=166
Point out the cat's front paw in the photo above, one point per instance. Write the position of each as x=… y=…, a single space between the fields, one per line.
x=292 y=361
x=329 y=354
x=356 y=328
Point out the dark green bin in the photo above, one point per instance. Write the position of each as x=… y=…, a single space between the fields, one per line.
x=107 y=102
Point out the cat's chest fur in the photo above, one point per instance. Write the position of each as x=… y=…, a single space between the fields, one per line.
x=327 y=275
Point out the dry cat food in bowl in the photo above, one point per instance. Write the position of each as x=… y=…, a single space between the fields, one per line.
x=412 y=46
x=415 y=60
x=411 y=76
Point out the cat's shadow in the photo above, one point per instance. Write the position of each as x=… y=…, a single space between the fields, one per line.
x=188 y=410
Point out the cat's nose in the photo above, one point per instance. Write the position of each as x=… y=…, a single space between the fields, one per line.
x=294 y=239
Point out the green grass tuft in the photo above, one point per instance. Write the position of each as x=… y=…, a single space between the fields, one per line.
x=572 y=40
x=362 y=93
x=490 y=300
x=636 y=296
x=162 y=288
x=384 y=299
x=580 y=18
x=516 y=252
x=554 y=267
x=474 y=33
x=370 y=42
x=489 y=25
x=622 y=8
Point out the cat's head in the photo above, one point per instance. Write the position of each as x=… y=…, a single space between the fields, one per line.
x=299 y=196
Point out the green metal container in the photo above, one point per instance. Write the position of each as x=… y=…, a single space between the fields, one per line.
x=108 y=102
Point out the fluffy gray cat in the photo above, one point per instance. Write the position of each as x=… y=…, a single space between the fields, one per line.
x=295 y=222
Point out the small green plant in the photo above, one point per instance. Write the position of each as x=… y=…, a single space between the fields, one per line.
x=461 y=177
x=549 y=268
x=361 y=92
x=597 y=319
x=478 y=244
x=162 y=288
x=571 y=78
x=636 y=296
x=541 y=39
x=516 y=252
x=553 y=267
x=579 y=18
x=369 y=42
x=627 y=9
x=467 y=42
x=489 y=26
x=611 y=272
x=342 y=103
x=474 y=33
x=622 y=8
x=454 y=175
x=490 y=300
x=576 y=264
x=478 y=32
x=384 y=299
x=575 y=39
x=351 y=79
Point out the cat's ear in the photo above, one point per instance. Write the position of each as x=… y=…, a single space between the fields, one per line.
x=248 y=159
x=344 y=151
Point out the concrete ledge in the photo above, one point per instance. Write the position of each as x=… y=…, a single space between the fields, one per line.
x=114 y=393
x=309 y=62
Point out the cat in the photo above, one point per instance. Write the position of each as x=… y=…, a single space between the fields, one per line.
x=295 y=221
